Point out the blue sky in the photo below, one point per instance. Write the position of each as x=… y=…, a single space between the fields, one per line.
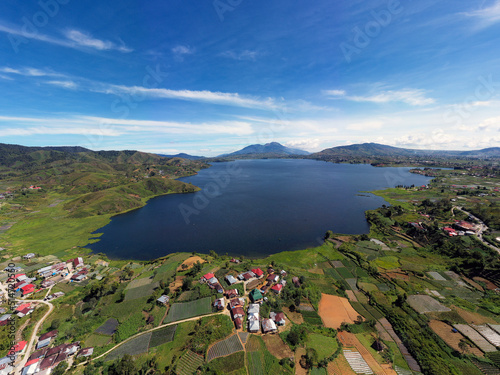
x=209 y=77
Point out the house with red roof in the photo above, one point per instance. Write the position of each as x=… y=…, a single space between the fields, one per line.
x=207 y=277
x=27 y=289
x=277 y=288
x=19 y=347
x=258 y=272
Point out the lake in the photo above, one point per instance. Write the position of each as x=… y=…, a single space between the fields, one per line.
x=253 y=208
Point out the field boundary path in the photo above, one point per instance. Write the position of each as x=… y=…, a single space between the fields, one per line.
x=148 y=331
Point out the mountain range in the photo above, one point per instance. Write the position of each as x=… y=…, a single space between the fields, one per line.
x=269 y=149
x=379 y=150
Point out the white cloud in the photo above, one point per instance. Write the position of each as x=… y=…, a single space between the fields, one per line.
x=222 y=98
x=30 y=72
x=334 y=92
x=242 y=55
x=311 y=144
x=86 y=40
x=414 y=97
x=408 y=96
x=64 y=84
x=487 y=16
x=183 y=50
x=72 y=39
x=115 y=127
x=365 y=125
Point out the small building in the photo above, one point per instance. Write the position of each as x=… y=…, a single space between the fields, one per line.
x=253 y=308
x=258 y=272
x=4 y=319
x=6 y=365
x=218 y=288
x=29 y=256
x=206 y=277
x=47 y=362
x=278 y=318
x=296 y=281
x=48 y=335
x=237 y=302
x=219 y=303
x=238 y=323
x=255 y=295
x=163 y=300
x=234 y=260
x=268 y=326
x=247 y=276
x=27 y=289
x=85 y=352
x=18 y=348
x=73 y=347
x=231 y=279
x=31 y=367
x=237 y=312
x=283 y=273
x=277 y=288
x=43 y=343
x=38 y=354
x=273 y=278
x=232 y=293
x=253 y=326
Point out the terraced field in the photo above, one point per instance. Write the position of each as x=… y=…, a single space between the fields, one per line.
x=225 y=347
x=189 y=363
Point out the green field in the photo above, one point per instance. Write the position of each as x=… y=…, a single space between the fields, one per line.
x=141 y=291
x=162 y=336
x=325 y=346
x=185 y=310
x=135 y=346
x=189 y=363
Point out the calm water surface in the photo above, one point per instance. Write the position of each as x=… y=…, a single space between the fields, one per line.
x=253 y=208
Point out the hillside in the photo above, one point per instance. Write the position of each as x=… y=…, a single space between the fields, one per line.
x=96 y=182
x=382 y=154
x=269 y=149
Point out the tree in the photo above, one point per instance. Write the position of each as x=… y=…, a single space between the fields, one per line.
x=60 y=369
x=125 y=366
x=464 y=347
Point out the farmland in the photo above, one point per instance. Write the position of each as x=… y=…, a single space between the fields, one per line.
x=335 y=310
x=185 y=310
x=225 y=347
x=162 y=336
x=189 y=363
x=135 y=346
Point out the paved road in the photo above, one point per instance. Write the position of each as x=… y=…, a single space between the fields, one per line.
x=20 y=365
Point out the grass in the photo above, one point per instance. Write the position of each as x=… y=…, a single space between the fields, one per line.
x=325 y=346
x=181 y=311
x=97 y=340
